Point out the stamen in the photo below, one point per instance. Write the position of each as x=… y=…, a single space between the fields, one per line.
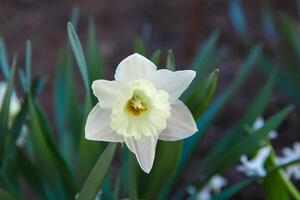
x=136 y=106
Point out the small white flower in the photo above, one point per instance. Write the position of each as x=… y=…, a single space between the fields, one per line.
x=255 y=167
x=214 y=186
x=14 y=106
x=217 y=182
x=289 y=155
x=259 y=123
x=22 y=137
x=204 y=194
x=141 y=106
x=191 y=190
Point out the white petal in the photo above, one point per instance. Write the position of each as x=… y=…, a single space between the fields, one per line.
x=144 y=150
x=180 y=124
x=175 y=83
x=106 y=92
x=98 y=126
x=134 y=67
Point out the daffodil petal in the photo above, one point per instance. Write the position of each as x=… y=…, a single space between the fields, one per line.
x=180 y=124
x=98 y=126
x=144 y=150
x=175 y=83
x=134 y=67
x=106 y=92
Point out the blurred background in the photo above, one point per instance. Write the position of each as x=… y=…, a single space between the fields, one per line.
x=179 y=25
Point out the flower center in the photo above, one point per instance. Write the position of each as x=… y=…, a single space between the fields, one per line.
x=136 y=105
x=140 y=110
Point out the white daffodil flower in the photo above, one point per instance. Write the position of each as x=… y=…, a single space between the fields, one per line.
x=214 y=186
x=14 y=106
x=255 y=167
x=141 y=106
x=289 y=155
x=259 y=123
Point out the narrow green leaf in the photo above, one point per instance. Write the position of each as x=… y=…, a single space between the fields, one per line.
x=254 y=111
x=4 y=111
x=273 y=184
x=163 y=167
x=4 y=60
x=139 y=47
x=74 y=18
x=28 y=63
x=93 y=183
x=45 y=151
x=231 y=191
x=203 y=94
x=66 y=106
x=29 y=172
x=78 y=52
x=133 y=194
x=170 y=60
x=237 y=17
x=155 y=58
x=211 y=113
x=244 y=145
x=94 y=59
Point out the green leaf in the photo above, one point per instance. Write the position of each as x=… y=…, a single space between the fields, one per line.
x=79 y=56
x=29 y=172
x=212 y=112
x=170 y=60
x=66 y=107
x=93 y=183
x=74 y=18
x=50 y=161
x=94 y=59
x=139 y=47
x=4 y=60
x=242 y=146
x=155 y=58
x=133 y=194
x=237 y=18
x=165 y=165
x=203 y=94
x=255 y=110
x=5 y=107
x=289 y=33
x=87 y=159
x=231 y=191
x=6 y=195
x=205 y=62
x=273 y=184
x=28 y=63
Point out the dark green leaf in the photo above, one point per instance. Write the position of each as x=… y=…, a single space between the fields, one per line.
x=170 y=60
x=139 y=47
x=93 y=183
x=155 y=58
x=4 y=60
x=94 y=59
x=211 y=113
x=78 y=52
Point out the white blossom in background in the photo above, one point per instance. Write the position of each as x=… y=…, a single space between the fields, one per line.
x=255 y=167
x=289 y=155
x=259 y=123
x=141 y=106
x=214 y=186
x=14 y=101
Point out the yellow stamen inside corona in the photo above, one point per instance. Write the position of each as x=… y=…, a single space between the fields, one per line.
x=136 y=105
